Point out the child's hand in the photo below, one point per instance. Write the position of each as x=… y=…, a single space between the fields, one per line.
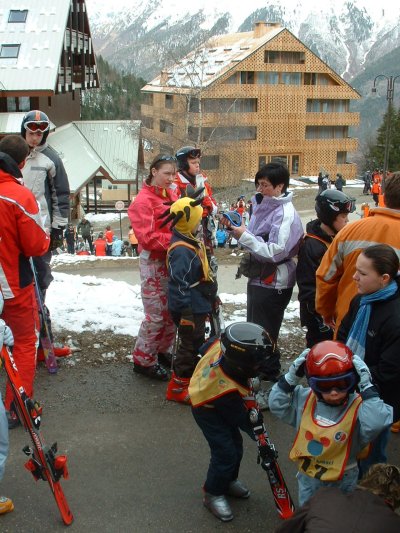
x=6 y=336
x=296 y=369
x=364 y=373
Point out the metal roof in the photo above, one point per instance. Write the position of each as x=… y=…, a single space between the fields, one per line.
x=106 y=147
x=10 y=123
x=201 y=67
x=41 y=40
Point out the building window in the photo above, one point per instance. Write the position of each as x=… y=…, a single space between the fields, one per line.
x=247 y=77
x=210 y=162
x=229 y=105
x=169 y=101
x=147 y=122
x=9 y=50
x=147 y=98
x=327 y=132
x=166 y=127
x=341 y=158
x=21 y=103
x=295 y=164
x=267 y=78
x=328 y=106
x=284 y=58
x=291 y=161
x=17 y=15
x=291 y=78
x=312 y=78
x=230 y=133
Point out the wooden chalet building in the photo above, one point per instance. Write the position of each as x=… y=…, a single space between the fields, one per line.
x=250 y=98
x=46 y=59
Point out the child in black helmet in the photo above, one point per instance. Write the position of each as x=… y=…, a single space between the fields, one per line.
x=332 y=208
x=218 y=389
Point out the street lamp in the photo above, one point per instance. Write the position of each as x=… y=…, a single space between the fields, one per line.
x=389 y=97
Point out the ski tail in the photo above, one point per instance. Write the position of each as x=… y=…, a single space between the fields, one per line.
x=43 y=462
x=268 y=457
x=45 y=336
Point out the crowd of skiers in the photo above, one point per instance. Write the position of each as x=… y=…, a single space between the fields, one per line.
x=341 y=393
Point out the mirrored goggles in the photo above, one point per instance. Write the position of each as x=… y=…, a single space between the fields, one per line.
x=348 y=207
x=343 y=383
x=165 y=158
x=33 y=127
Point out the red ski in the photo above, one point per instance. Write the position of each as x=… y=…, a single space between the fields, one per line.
x=268 y=457
x=43 y=462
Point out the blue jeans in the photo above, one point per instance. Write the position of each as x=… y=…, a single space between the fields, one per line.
x=309 y=485
x=226 y=446
x=3 y=438
x=377 y=453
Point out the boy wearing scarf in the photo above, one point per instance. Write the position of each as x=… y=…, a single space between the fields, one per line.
x=334 y=423
x=191 y=290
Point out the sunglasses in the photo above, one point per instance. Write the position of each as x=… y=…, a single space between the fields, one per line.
x=34 y=127
x=164 y=158
x=343 y=383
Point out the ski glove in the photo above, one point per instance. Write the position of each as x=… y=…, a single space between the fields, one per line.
x=56 y=238
x=364 y=373
x=6 y=336
x=186 y=324
x=296 y=369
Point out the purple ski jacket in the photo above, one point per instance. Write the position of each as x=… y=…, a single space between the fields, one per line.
x=273 y=235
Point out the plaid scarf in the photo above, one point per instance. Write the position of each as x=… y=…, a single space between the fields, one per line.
x=357 y=337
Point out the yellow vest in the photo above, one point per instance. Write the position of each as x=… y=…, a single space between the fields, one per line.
x=320 y=451
x=209 y=381
x=201 y=254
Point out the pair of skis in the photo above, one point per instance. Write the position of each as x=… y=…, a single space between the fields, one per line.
x=268 y=458
x=45 y=335
x=43 y=462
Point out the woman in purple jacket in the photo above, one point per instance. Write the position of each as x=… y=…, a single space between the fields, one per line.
x=272 y=237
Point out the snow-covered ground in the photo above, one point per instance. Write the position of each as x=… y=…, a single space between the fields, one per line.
x=82 y=303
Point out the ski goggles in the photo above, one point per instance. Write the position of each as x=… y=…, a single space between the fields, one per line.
x=34 y=126
x=348 y=207
x=234 y=218
x=343 y=383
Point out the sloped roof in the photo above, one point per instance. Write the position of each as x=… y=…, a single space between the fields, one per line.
x=10 y=123
x=106 y=147
x=206 y=64
x=41 y=38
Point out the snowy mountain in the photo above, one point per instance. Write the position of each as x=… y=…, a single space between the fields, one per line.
x=144 y=36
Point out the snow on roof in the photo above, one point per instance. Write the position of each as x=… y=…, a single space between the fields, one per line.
x=40 y=39
x=204 y=65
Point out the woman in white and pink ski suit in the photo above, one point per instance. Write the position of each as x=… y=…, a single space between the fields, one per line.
x=157 y=331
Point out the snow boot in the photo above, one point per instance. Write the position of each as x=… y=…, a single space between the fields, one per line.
x=177 y=390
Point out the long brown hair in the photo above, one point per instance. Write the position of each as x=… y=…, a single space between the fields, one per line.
x=158 y=162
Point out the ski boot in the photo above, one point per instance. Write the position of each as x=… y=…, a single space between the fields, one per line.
x=6 y=505
x=177 y=390
x=218 y=506
x=395 y=427
x=238 y=490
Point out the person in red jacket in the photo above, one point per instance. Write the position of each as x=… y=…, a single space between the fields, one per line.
x=109 y=234
x=21 y=235
x=157 y=331
x=100 y=245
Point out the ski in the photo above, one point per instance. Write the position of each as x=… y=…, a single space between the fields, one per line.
x=45 y=337
x=268 y=458
x=43 y=462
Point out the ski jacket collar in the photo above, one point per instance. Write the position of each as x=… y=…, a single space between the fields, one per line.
x=314 y=228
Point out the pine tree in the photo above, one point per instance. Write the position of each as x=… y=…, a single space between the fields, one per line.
x=118 y=97
x=389 y=131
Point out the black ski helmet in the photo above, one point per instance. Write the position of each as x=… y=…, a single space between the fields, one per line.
x=182 y=156
x=330 y=203
x=36 y=117
x=246 y=346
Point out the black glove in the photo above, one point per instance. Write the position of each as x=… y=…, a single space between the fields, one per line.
x=186 y=324
x=209 y=289
x=56 y=238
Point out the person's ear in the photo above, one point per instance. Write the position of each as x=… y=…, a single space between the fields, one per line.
x=22 y=164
